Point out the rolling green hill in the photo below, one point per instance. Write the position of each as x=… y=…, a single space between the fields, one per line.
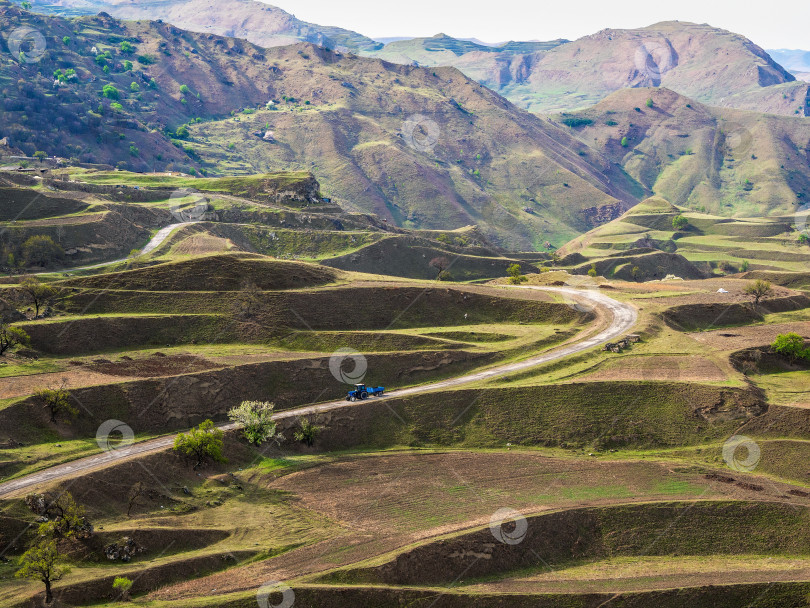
x=714 y=160
x=715 y=244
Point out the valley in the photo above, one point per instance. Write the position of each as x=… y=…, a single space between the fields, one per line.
x=293 y=317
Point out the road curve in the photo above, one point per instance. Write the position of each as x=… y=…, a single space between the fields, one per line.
x=155 y=242
x=624 y=317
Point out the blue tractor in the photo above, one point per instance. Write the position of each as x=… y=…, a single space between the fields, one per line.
x=361 y=391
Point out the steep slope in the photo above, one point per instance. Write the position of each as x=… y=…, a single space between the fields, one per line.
x=255 y=21
x=709 y=64
x=422 y=148
x=796 y=61
x=717 y=160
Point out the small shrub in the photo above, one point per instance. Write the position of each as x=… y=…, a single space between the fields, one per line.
x=307 y=432
x=110 y=92
x=791 y=345
x=201 y=443
x=576 y=121
x=679 y=222
x=123 y=585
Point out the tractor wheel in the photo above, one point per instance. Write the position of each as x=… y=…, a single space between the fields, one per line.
x=352 y=398
x=364 y=395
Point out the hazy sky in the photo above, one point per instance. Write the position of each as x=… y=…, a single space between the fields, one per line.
x=773 y=24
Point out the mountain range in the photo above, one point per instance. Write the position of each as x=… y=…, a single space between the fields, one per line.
x=708 y=64
x=424 y=147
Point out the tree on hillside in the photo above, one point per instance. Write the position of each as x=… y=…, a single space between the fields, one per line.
x=36 y=293
x=68 y=519
x=201 y=443
x=679 y=222
x=440 y=263
x=42 y=562
x=135 y=492
x=249 y=302
x=516 y=277
x=123 y=584
x=791 y=345
x=256 y=420
x=758 y=289
x=40 y=156
x=307 y=432
x=10 y=337
x=41 y=250
x=58 y=402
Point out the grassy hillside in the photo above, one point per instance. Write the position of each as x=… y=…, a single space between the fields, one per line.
x=421 y=148
x=720 y=161
x=715 y=244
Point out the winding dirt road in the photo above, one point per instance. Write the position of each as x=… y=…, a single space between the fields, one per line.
x=155 y=242
x=623 y=318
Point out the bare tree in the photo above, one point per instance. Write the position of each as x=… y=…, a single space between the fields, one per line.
x=135 y=492
x=758 y=290
x=441 y=264
x=248 y=303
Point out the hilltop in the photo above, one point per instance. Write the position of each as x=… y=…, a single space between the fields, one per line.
x=255 y=21
x=709 y=64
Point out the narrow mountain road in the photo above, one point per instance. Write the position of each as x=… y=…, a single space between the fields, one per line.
x=623 y=318
x=153 y=244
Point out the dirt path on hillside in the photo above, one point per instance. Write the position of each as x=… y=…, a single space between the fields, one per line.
x=624 y=317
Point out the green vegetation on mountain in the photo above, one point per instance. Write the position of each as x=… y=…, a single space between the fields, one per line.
x=713 y=160
x=422 y=148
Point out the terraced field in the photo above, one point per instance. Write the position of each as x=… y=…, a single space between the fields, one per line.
x=557 y=473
